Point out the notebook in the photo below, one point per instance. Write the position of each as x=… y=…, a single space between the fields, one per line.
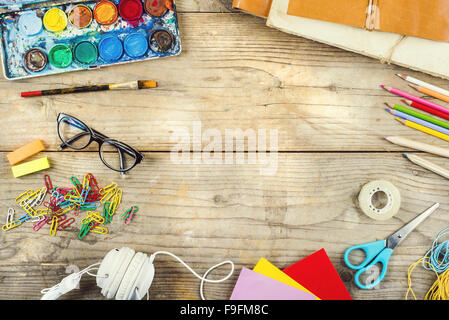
x=317 y=273
x=418 y=54
x=418 y=18
x=259 y=8
x=254 y=286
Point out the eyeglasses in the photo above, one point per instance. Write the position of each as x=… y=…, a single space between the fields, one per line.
x=116 y=155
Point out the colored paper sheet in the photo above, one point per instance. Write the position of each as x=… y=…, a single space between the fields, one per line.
x=268 y=269
x=252 y=285
x=317 y=273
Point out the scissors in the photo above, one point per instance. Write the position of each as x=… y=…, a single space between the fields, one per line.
x=380 y=251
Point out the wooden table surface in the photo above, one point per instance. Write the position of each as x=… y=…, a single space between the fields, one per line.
x=233 y=72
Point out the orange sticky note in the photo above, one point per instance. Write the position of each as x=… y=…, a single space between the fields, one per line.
x=25 y=152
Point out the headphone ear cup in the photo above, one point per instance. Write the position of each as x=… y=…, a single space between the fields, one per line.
x=106 y=266
x=130 y=276
x=143 y=282
x=119 y=268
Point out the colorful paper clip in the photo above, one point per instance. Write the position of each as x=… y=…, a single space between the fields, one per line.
x=48 y=183
x=54 y=226
x=128 y=215
x=40 y=224
x=66 y=223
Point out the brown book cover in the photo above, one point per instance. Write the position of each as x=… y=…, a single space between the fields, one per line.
x=260 y=8
x=419 y=18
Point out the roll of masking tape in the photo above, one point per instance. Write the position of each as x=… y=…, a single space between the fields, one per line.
x=379 y=200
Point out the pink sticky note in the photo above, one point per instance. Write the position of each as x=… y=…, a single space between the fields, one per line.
x=252 y=285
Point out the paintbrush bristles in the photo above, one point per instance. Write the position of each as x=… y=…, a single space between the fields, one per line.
x=144 y=84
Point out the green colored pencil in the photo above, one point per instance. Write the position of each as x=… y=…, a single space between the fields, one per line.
x=420 y=115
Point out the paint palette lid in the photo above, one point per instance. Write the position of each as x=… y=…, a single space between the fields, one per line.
x=17 y=4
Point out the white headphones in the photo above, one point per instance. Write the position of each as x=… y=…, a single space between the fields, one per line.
x=125 y=275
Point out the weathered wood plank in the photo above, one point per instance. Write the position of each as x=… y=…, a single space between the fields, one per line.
x=209 y=213
x=234 y=72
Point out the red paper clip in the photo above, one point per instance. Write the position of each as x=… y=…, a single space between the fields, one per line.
x=48 y=183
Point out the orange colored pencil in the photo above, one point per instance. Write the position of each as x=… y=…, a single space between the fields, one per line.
x=430 y=92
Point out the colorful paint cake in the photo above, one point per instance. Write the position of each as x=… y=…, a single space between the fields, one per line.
x=77 y=36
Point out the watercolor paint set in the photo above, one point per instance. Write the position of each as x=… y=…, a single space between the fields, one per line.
x=86 y=35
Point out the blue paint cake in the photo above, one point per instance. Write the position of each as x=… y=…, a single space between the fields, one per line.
x=86 y=35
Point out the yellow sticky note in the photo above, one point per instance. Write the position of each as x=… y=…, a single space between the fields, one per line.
x=30 y=167
x=268 y=269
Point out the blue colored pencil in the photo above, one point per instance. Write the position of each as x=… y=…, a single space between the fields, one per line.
x=417 y=120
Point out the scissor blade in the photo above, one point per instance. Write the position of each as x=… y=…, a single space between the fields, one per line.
x=396 y=238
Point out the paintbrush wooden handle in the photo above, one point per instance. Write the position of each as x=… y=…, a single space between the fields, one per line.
x=64 y=91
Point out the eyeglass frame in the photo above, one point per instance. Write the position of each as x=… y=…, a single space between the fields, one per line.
x=100 y=138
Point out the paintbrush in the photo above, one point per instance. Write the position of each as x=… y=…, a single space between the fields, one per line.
x=131 y=85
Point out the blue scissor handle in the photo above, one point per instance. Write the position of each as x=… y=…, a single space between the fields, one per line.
x=383 y=258
x=376 y=252
x=372 y=249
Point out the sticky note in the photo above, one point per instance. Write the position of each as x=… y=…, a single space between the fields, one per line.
x=25 y=151
x=252 y=285
x=268 y=269
x=317 y=273
x=30 y=167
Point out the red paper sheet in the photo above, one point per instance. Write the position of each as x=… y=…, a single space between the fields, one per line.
x=317 y=274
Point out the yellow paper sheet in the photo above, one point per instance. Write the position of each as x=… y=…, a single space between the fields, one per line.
x=268 y=269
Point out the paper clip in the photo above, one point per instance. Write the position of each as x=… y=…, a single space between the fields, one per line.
x=128 y=215
x=93 y=183
x=36 y=219
x=86 y=227
x=48 y=183
x=86 y=181
x=23 y=196
x=106 y=215
x=108 y=192
x=77 y=184
x=43 y=212
x=40 y=224
x=54 y=226
x=12 y=225
x=66 y=223
x=23 y=218
x=100 y=230
x=60 y=218
x=10 y=216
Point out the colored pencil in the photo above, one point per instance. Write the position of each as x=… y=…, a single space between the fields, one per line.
x=428 y=165
x=138 y=84
x=417 y=145
x=424 y=129
x=426 y=109
x=430 y=92
x=409 y=96
x=420 y=115
x=419 y=121
x=423 y=84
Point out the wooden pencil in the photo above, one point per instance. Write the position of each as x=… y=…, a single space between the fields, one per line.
x=422 y=107
x=430 y=92
x=418 y=120
x=424 y=129
x=428 y=165
x=423 y=84
x=409 y=96
x=419 y=115
x=138 y=84
x=417 y=145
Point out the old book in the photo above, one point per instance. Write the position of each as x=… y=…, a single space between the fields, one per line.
x=418 y=54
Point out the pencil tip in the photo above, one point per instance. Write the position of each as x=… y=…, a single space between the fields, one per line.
x=405 y=155
x=413 y=86
x=401 y=76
